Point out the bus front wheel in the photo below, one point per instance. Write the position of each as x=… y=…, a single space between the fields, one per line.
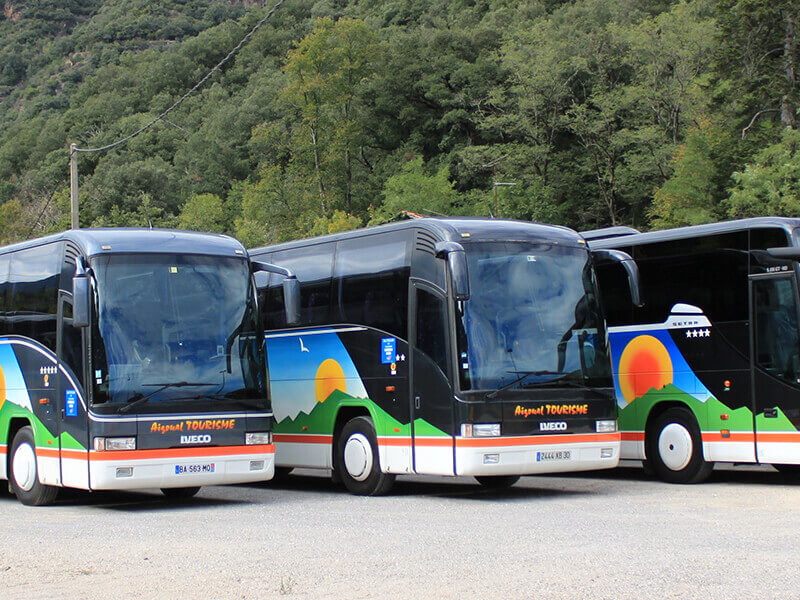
x=675 y=448
x=24 y=475
x=357 y=460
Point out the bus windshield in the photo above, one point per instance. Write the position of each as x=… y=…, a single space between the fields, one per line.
x=532 y=320
x=175 y=328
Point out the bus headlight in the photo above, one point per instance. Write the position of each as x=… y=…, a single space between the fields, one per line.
x=606 y=426
x=480 y=429
x=114 y=443
x=258 y=438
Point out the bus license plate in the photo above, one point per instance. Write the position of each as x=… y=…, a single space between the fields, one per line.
x=554 y=455
x=194 y=469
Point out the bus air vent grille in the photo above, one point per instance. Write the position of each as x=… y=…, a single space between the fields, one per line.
x=71 y=253
x=426 y=242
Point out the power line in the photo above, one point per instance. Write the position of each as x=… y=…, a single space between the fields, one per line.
x=230 y=54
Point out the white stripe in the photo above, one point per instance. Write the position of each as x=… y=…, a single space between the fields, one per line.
x=171 y=417
x=313 y=332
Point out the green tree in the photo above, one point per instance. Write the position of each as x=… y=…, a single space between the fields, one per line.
x=203 y=212
x=771 y=184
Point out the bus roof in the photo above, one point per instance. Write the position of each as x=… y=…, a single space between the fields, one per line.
x=679 y=233
x=456 y=229
x=135 y=240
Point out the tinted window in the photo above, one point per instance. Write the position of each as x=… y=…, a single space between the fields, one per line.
x=71 y=343
x=432 y=327
x=32 y=304
x=312 y=265
x=5 y=262
x=371 y=282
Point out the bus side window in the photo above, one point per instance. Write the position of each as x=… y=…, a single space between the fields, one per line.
x=5 y=262
x=432 y=328
x=33 y=302
x=71 y=343
x=312 y=265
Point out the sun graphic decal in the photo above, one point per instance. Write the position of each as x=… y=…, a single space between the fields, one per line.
x=330 y=377
x=645 y=364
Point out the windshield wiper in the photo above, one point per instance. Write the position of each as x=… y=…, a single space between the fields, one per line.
x=558 y=381
x=140 y=399
x=522 y=375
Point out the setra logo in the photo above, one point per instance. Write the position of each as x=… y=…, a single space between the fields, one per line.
x=196 y=439
x=553 y=426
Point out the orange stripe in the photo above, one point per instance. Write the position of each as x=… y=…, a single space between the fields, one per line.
x=633 y=436
x=170 y=453
x=301 y=438
x=779 y=437
x=734 y=436
x=71 y=453
x=537 y=440
x=46 y=452
x=394 y=441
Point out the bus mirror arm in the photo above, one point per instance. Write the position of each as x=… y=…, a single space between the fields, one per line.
x=790 y=253
x=291 y=289
x=631 y=268
x=456 y=258
x=81 y=292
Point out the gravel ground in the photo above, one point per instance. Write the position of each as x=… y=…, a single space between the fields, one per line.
x=613 y=535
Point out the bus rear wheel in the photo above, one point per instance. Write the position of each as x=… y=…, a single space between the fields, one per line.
x=675 y=448
x=24 y=475
x=357 y=460
x=181 y=493
x=497 y=482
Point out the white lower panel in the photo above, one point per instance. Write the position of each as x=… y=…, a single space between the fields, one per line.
x=161 y=473
x=434 y=460
x=3 y=461
x=395 y=458
x=729 y=452
x=779 y=453
x=530 y=459
x=302 y=454
x=48 y=470
x=632 y=450
x=75 y=472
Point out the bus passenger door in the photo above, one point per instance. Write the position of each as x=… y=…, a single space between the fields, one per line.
x=776 y=368
x=74 y=438
x=431 y=390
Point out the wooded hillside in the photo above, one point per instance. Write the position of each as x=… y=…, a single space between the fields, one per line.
x=336 y=114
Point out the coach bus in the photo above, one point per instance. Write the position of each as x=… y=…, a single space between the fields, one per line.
x=708 y=370
x=442 y=347
x=131 y=359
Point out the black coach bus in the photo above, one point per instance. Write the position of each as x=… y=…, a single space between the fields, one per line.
x=708 y=370
x=440 y=346
x=131 y=359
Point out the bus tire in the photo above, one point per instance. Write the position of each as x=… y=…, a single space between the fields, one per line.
x=675 y=448
x=358 y=461
x=497 y=482
x=23 y=476
x=180 y=493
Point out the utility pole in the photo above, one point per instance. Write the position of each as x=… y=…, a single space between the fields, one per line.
x=73 y=184
x=495 y=185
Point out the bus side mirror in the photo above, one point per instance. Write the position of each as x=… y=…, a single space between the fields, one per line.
x=291 y=300
x=291 y=289
x=790 y=253
x=457 y=262
x=631 y=268
x=80 y=300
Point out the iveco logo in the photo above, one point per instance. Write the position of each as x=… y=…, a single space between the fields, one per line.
x=195 y=439
x=553 y=426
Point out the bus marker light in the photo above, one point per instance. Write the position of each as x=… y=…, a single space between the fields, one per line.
x=115 y=443
x=726 y=433
x=43 y=400
x=606 y=453
x=491 y=459
x=124 y=471
x=305 y=428
x=480 y=429
x=258 y=438
x=726 y=383
x=390 y=388
x=397 y=430
x=724 y=417
x=606 y=426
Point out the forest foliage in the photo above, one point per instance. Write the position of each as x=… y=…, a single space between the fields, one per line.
x=339 y=114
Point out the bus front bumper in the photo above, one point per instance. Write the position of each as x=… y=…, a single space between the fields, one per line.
x=526 y=455
x=180 y=467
